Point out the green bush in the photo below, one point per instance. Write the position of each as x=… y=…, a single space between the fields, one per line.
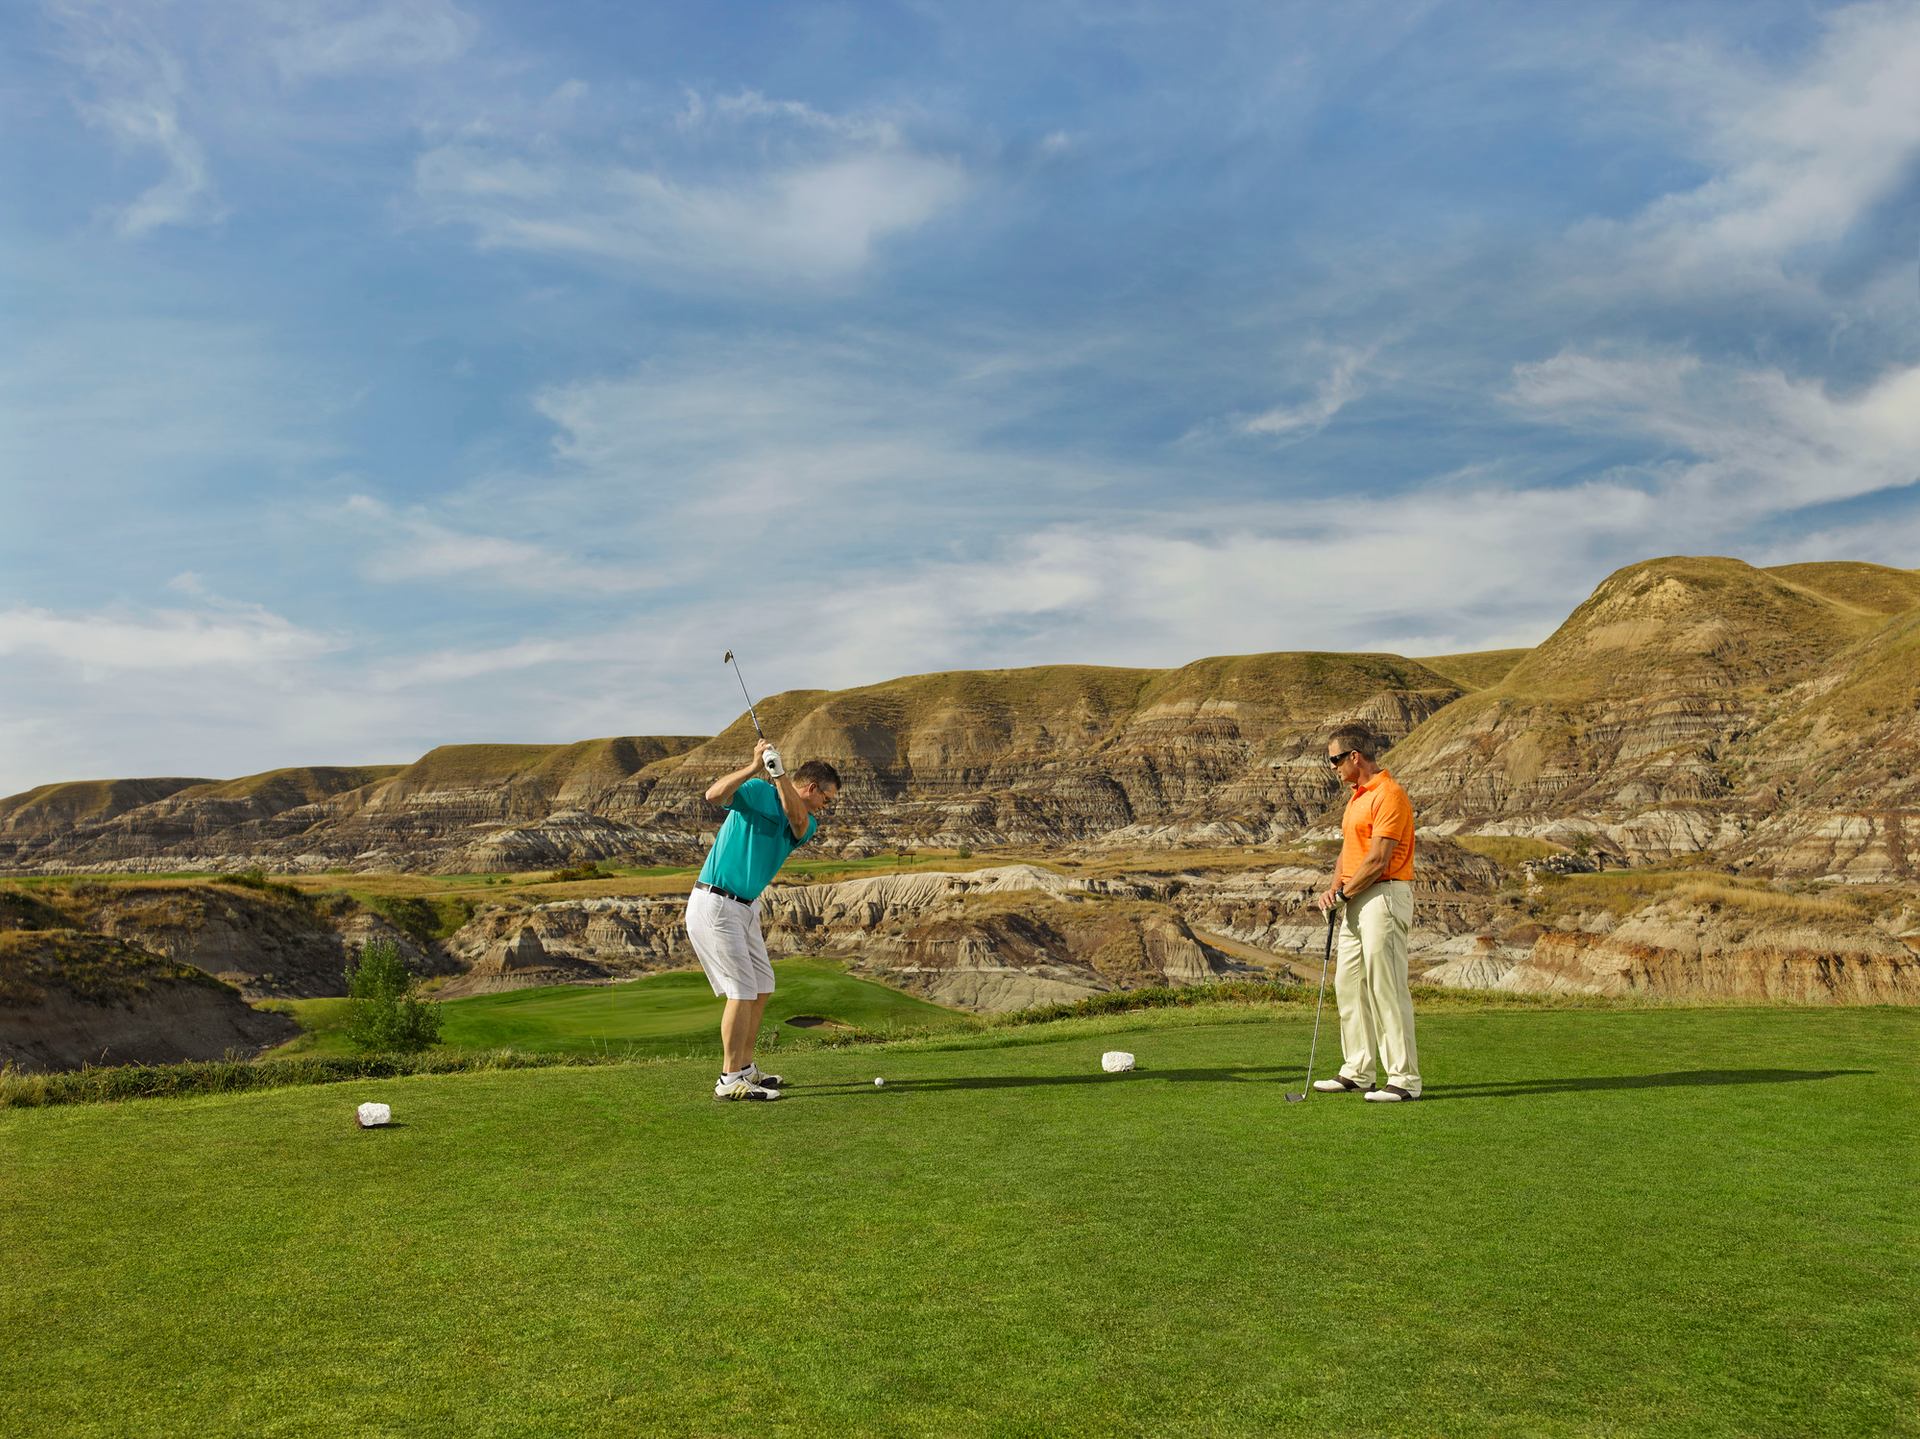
x=409 y=914
x=256 y=879
x=385 y=1014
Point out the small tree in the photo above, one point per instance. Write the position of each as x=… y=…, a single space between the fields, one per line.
x=383 y=1012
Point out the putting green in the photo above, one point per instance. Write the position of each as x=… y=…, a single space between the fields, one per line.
x=1671 y=1222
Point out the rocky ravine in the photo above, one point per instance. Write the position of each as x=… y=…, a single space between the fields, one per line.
x=988 y=940
x=1016 y=935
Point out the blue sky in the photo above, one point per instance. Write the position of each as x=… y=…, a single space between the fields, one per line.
x=377 y=374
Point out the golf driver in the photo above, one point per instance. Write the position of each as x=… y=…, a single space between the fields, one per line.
x=1306 y=1087
x=774 y=767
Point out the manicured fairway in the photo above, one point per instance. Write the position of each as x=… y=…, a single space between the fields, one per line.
x=661 y=1015
x=1601 y=1222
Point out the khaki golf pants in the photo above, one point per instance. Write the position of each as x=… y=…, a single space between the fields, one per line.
x=1370 y=986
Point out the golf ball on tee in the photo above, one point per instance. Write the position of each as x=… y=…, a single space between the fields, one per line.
x=879 y=1084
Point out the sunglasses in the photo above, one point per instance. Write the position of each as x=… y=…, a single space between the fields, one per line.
x=1336 y=760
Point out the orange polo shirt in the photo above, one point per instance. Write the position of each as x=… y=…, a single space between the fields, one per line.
x=1378 y=807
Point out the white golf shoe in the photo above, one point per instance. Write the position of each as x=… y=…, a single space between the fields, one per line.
x=763 y=1079
x=1340 y=1084
x=1392 y=1094
x=741 y=1087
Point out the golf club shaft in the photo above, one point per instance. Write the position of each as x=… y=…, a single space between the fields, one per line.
x=1314 y=1048
x=744 y=695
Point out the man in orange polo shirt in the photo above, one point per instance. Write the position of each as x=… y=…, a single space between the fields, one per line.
x=1374 y=886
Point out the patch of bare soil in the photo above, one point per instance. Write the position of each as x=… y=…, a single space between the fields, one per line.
x=69 y=999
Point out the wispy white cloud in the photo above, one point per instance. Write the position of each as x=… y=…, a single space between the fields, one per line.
x=1453 y=570
x=443 y=667
x=1796 y=158
x=751 y=106
x=136 y=95
x=1332 y=395
x=159 y=639
x=1752 y=443
x=814 y=222
x=411 y=546
x=811 y=202
x=337 y=37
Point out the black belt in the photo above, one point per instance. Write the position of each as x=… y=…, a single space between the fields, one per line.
x=723 y=893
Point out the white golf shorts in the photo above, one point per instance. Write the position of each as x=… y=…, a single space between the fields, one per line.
x=726 y=935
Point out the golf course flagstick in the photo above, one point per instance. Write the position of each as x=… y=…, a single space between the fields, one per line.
x=1325 y=959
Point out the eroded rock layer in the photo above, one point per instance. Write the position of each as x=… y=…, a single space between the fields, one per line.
x=1690 y=706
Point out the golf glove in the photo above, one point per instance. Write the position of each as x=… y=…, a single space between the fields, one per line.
x=771 y=759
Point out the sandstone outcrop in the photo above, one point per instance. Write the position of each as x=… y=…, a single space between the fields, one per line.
x=1680 y=710
x=1761 y=723
x=1691 y=706
x=1223 y=748
x=987 y=939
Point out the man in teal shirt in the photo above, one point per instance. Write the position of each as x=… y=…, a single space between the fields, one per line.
x=767 y=819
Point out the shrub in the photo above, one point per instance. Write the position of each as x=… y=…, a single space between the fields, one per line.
x=257 y=879
x=410 y=914
x=385 y=1014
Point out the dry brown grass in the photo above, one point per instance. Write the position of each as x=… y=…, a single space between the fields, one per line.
x=1875 y=589
x=1477 y=671
x=1622 y=892
x=1507 y=851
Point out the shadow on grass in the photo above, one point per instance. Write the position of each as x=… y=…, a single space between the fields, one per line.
x=1235 y=1074
x=1269 y=1074
x=1674 y=1079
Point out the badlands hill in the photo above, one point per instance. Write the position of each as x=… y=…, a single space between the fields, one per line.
x=1770 y=717
x=1701 y=705
x=1221 y=749
x=1718 y=738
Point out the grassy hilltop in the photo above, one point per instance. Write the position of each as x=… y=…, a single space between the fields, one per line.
x=1602 y=1222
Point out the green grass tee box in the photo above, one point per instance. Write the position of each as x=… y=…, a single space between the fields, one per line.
x=1628 y=1222
x=658 y=1016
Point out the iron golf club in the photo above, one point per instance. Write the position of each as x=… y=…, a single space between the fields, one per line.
x=772 y=757
x=1306 y=1088
x=744 y=695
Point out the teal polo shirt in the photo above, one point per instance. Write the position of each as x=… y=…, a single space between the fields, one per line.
x=753 y=843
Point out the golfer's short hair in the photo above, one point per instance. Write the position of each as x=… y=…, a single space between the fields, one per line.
x=817 y=772
x=1354 y=736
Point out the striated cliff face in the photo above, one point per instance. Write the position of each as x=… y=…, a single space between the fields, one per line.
x=989 y=939
x=1692 y=706
x=1017 y=935
x=1768 y=717
x=1221 y=749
